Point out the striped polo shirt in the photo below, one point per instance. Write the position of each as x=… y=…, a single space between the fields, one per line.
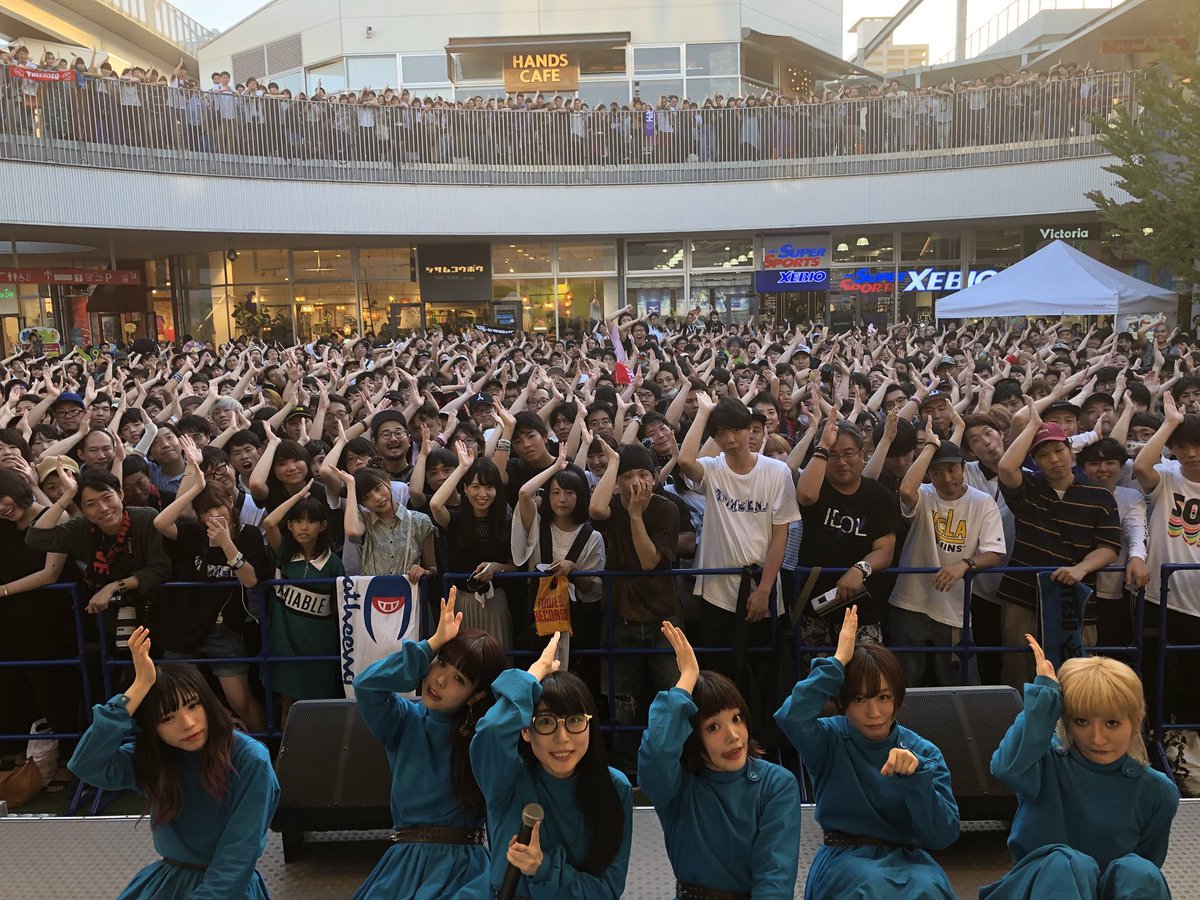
x=1053 y=531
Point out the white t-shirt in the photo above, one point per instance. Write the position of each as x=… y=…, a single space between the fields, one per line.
x=1131 y=504
x=739 y=512
x=945 y=532
x=1175 y=538
x=986 y=585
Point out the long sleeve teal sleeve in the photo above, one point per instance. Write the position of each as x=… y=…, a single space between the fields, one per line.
x=508 y=784
x=104 y=755
x=729 y=831
x=376 y=687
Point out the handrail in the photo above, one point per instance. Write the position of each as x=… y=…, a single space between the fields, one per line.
x=166 y=20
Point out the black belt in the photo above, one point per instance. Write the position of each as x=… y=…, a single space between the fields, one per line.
x=199 y=867
x=438 y=834
x=687 y=891
x=834 y=838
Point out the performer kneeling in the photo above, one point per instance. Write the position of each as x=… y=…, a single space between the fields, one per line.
x=437 y=808
x=536 y=745
x=731 y=821
x=210 y=790
x=883 y=791
x=1093 y=818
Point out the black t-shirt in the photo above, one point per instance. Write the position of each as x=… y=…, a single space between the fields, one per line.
x=839 y=530
x=184 y=616
x=20 y=560
x=650 y=598
x=470 y=541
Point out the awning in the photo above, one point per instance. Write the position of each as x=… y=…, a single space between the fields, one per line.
x=823 y=66
x=603 y=40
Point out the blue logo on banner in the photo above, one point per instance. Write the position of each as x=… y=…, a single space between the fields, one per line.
x=791 y=280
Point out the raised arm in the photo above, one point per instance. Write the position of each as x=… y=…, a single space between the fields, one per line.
x=1009 y=468
x=1151 y=454
x=437 y=503
x=262 y=468
x=689 y=453
x=166 y=520
x=272 y=522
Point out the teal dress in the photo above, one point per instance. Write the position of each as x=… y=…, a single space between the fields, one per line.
x=912 y=812
x=302 y=621
x=1082 y=830
x=509 y=783
x=418 y=742
x=219 y=841
x=729 y=831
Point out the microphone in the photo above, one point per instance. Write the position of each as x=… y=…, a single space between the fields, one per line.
x=530 y=816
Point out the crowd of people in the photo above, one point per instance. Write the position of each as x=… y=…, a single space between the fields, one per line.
x=79 y=101
x=812 y=461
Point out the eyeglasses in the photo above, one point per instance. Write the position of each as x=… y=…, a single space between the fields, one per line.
x=847 y=458
x=389 y=435
x=219 y=469
x=576 y=723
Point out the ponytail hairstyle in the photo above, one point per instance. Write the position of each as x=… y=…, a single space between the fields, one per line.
x=480 y=658
x=713 y=694
x=156 y=765
x=565 y=694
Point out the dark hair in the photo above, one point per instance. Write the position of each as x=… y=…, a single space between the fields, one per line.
x=1007 y=389
x=569 y=479
x=1145 y=420
x=287 y=450
x=852 y=431
x=565 y=694
x=16 y=488
x=134 y=464
x=1186 y=432
x=1188 y=383
x=215 y=496
x=1139 y=393
x=368 y=478
x=309 y=509
x=869 y=668
x=480 y=658
x=194 y=424
x=1103 y=450
x=486 y=472
x=245 y=436
x=98 y=479
x=13 y=438
x=156 y=765
x=727 y=414
x=713 y=694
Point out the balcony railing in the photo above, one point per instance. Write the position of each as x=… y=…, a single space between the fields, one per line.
x=116 y=124
x=167 y=21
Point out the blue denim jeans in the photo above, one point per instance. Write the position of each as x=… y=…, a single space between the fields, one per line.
x=638 y=677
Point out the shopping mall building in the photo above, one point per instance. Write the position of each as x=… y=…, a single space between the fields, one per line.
x=317 y=216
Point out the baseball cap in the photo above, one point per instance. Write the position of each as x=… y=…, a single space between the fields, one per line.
x=934 y=396
x=1061 y=406
x=68 y=397
x=945 y=361
x=803 y=348
x=49 y=466
x=387 y=415
x=480 y=399
x=1048 y=432
x=297 y=413
x=1102 y=396
x=947 y=452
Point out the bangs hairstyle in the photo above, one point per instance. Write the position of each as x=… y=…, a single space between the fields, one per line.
x=479 y=657
x=286 y=451
x=368 y=479
x=569 y=479
x=565 y=694
x=713 y=694
x=1186 y=433
x=485 y=472
x=870 y=667
x=312 y=510
x=156 y=765
x=215 y=496
x=1100 y=687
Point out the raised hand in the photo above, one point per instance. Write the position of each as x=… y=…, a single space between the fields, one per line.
x=449 y=622
x=847 y=637
x=1042 y=666
x=685 y=656
x=144 y=671
x=547 y=663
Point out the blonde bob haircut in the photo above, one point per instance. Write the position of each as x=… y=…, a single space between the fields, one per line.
x=1102 y=687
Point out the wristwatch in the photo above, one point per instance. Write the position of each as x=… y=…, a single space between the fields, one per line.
x=863 y=566
x=970 y=564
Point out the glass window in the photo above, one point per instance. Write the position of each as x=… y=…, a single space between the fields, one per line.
x=656 y=60
x=331 y=76
x=930 y=245
x=647 y=256
x=322 y=265
x=998 y=245
x=864 y=247
x=657 y=295
x=585 y=298
x=701 y=89
x=725 y=253
x=374 y=72
x=759 y=66
x=478 y=66
x=595 y=92
x=521 y=258
x=654 y=90
x=602 y=60
x=290 y=81
x=158 y=272
x=205 y=268
x=273 y=302
x=587 y=257
x=385 y=262
x=255 y=266
x=732 y=297
x=536 y=297
x=164 y=318
x=424 y=69
x=326 y=308
x=712 y=59
x=390 y=301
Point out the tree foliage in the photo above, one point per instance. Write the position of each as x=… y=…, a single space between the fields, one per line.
x=1156 y=139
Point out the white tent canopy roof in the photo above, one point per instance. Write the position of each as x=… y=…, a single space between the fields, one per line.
x=1057 y=280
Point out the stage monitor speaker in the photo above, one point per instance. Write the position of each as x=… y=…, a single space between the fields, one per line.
x=333 y=773
x=967 y=725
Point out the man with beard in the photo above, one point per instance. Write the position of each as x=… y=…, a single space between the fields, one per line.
x=389 y=429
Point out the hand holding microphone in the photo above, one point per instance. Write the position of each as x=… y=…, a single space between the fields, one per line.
x=524 y=851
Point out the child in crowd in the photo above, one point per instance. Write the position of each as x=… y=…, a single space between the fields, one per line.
x=210 y=790
x=1093 y=819
x=731 y=820
x=437 y=809
x=883 y=791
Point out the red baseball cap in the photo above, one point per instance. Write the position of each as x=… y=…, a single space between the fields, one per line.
x=1048 y=432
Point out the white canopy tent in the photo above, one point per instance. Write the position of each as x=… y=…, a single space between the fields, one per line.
x=1058 y=280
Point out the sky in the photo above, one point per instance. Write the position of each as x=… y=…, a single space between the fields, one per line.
x=932 y=22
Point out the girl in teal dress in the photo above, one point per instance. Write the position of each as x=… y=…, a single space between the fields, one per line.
x=1093 y=819
x=210 y=790
x=302 y=620
x=428 y=744
x=883 y=792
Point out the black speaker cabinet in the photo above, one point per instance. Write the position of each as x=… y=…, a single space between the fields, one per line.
x=967 y=725
x=333 y=773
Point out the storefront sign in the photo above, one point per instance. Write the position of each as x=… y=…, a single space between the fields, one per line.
x=867 y=281
x=791 y=280
x=70 y=276
x=455 y=273
x=801 y=251
x=1065 y=233
x=540 y=71
x=942 y=280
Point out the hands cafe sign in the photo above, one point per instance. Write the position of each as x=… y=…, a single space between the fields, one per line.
x=540 y=71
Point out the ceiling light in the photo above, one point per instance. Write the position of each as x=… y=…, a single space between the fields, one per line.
x=843 y=248
x=862 y=242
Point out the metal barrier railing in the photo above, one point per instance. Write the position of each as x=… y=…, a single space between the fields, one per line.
x=119 y=124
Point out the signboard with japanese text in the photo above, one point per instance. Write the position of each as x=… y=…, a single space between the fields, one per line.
x=70 y=276
x=455 y=273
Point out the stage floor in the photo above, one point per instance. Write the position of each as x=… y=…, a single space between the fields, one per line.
x=90 y=858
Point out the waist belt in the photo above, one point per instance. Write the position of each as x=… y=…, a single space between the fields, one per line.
x=438 y=834
x=687 y=891
x=835 y=838
x=199 y=867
